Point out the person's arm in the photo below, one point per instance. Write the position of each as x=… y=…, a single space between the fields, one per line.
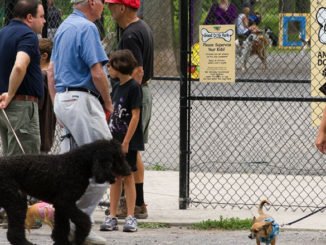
x=135 y=115
x=16 y=77
x=51 y=83
x=245 y=21
x=321 y=135
x=102 y=85
x=138 y=74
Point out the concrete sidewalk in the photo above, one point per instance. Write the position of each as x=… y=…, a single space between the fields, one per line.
x=162 y=196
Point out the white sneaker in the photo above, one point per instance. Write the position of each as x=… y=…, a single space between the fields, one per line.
x=92 y=239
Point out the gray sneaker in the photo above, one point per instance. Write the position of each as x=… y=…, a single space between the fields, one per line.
x=109 y=224
x=130 y=224
x=91 y=239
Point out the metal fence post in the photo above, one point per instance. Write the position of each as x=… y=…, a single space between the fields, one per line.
x=184 y=163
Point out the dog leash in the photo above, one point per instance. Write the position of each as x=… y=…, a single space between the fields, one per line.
x=13 y=130
x=304 y=217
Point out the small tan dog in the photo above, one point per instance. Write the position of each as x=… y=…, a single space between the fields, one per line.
x=39 y=212
x=264 y=227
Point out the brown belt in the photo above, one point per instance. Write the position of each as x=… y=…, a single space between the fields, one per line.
x=25 y=98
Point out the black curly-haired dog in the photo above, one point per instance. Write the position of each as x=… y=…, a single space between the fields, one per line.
x=60 y=180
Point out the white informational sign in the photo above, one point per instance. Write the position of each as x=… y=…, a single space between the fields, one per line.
x=217 y=53
x=318 y=56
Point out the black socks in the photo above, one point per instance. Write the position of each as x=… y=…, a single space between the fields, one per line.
x=139 y=194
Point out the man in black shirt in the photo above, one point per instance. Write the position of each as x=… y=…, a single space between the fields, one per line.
x=138 y=38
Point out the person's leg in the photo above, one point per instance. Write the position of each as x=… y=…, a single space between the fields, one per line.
x=91 y=198
x=115 y=190
x=111 y=223
x=4 y=143
x=141 y=211
x=83 y=116
x=29 y=132
x=146 y=110
x=88 y=126
x=23 y=116
x=139 y=180
x=3 y=134
x=130 y=191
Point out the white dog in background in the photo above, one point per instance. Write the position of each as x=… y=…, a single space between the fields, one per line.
x=254 y=44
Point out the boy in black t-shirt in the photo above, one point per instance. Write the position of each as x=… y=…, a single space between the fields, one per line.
x=125 y=126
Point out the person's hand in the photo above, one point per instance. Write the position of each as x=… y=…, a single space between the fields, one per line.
x=108 y=107
x=4 y=101
x=108 y=110
x=107 y=115
x=321 y=141
x=125 y=147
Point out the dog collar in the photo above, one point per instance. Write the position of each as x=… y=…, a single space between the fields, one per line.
x=273 y=234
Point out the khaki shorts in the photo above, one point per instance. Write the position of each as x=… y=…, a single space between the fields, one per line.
x=146 y=110
x=24 y=118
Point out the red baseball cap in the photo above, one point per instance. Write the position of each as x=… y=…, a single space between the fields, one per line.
x=129 y=3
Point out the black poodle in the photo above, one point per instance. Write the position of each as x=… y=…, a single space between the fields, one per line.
x=60 y=180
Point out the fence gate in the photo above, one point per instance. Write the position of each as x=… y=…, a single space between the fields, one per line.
x=255 y=137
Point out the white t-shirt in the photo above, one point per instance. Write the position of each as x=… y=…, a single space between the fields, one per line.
x=241 y=29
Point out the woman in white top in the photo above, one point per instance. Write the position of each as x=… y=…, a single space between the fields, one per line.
x=242 y=23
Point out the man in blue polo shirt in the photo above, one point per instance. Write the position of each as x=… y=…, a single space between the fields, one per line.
x=21 y=82
x=80 y=90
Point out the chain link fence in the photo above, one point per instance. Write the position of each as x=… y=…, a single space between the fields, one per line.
x=248 y=139
x=162 y=149
x=255 y=138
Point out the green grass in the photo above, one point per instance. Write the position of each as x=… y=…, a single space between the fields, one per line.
x=270 y=20
x=156 y=167
x=224 y=224
x=153 y=225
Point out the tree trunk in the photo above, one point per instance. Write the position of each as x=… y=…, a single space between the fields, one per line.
x=159 y=16
x=287 y=6
x=302 y=6
x=197 y=13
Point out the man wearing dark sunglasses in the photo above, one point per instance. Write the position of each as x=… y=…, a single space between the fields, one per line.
x=80 y=90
